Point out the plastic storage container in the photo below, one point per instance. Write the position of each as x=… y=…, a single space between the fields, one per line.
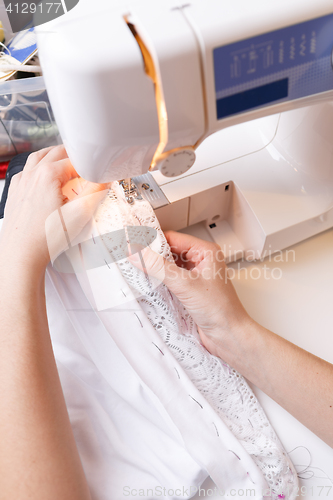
x=26 y=118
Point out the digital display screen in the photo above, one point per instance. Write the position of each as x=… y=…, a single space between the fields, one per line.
x=285 y=64
x=248 y=99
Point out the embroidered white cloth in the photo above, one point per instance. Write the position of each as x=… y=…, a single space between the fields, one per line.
x=203 y=417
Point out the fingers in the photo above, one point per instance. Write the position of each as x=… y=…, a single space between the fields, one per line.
x=180 y=242
x=61 y=170
x=15 y=180
x=35 y=158
x=55 y=156
x=182 y=246
x=53 y=163
x=90 y=197
x=72 y=223
x=156 y=266
x=92 y=187
x=191 y=251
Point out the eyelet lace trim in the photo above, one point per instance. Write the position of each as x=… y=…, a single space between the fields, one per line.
x=223 y=387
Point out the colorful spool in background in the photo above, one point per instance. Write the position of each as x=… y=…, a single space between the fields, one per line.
x=3 y=169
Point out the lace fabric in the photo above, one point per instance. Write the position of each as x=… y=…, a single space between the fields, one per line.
x=226 y=391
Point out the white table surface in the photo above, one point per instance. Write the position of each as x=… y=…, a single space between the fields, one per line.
x=299 y=307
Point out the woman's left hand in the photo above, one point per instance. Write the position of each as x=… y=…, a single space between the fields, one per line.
x=35 y=194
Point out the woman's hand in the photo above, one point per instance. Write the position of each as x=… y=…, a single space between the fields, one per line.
x=34 y=195
x=32 y=404
x=199 y=279
x=281 y=369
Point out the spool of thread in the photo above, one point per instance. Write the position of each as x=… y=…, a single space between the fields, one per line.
x=3 y=169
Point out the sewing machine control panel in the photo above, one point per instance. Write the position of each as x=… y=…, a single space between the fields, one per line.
x=282 y=65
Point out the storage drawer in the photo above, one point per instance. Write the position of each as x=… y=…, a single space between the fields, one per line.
x=26 y=118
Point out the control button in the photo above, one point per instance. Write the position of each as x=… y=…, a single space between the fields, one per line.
x=177 y=162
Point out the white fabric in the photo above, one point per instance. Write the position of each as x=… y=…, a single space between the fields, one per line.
x=203 y=405
x=123 y=436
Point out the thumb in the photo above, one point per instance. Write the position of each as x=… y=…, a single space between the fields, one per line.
x=93 y=187
x=71 y=223
x=174 y=277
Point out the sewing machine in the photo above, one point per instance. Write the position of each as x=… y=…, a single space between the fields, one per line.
x=246 y=87
x=220 y=112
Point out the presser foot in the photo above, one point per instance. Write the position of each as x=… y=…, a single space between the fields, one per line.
x=130 y=191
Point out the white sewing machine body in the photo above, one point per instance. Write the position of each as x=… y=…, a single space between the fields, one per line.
x=270 y=188
x=161 y=78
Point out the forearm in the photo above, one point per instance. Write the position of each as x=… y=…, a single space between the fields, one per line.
x=37 y=448
x=297 y=380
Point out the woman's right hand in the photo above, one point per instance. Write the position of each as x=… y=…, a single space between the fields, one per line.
x=199 y=279
x=279 y=368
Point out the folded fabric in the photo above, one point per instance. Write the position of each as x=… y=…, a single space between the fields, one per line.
x=214 y=421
